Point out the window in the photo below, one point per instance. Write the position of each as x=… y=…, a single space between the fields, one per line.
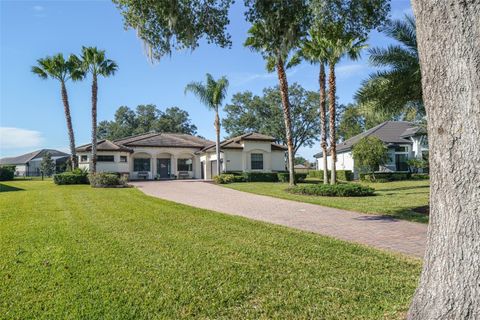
x=401 y=149
x=83 y=158
x=141 y=165
x=184 y=165
x=123 y=158
x=257 y=161
x=401 y=162
x=105 y=159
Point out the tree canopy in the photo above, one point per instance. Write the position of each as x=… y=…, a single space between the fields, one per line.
x=146 y=118
x=369 y=153
x=165 y=25
x=248 y=112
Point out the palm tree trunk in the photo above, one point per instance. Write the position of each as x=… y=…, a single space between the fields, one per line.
x=93 y=166
x=282 y=78
x=331 y=110
x=217 y=142
x=71 y=136
x=323 y=121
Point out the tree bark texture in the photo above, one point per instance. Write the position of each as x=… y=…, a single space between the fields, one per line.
x=323 y=121
x=448 y=33
x=68 y=118
x=331 y=109
x=93 y=166
x=282 y=78
x=217 y=142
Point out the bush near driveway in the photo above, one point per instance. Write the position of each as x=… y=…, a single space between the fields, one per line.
x=7 y=173
x=260 y=176
x=106 y=180
x=336 y=190
x=225 y=178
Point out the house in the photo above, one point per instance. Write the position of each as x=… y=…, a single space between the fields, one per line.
x=175 y=155
x=404 y=141
x=29 y=164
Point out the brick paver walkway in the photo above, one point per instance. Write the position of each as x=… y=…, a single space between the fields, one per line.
x=377 y=231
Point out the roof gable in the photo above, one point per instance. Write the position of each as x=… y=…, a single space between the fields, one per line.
x=24 y=158
x=390 y=132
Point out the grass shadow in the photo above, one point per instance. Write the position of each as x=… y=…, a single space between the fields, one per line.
x=404 y=188
x=7 y=188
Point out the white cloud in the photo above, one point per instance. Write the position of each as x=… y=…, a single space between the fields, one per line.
x=350 y=70
x=11 y=138
x=38 y=8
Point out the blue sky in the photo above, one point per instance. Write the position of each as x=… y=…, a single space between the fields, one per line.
x=31 y=112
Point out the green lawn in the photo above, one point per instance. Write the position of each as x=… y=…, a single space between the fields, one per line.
x=397 y=199
x=70 y=252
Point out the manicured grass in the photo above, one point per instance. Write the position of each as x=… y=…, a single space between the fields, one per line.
x=397 y=199
x=77 y=252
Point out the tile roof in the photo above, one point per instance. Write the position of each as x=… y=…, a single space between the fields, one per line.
x=104 y=145
x=393 y=132
x=151 y=139
x=24 y=158
x=235 y=142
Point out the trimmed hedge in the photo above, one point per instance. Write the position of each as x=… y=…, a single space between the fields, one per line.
x=420 y=176
x=106 y=180
x=285 y=177
x=336 y=190
x=344 y=175
x=7 y=173
x=260 y=176
x=70 y=178
x=385 y=176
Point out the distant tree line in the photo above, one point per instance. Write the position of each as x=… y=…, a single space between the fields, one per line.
x=146 y=118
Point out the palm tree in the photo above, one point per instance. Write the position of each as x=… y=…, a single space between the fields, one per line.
x=397 y=89
x=95 y=63
x=56 y=67
x=336 y=45
x=277 y=31
x=314 y=52
x=211 y=94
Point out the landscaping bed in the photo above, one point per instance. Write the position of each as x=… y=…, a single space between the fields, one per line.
x=336 y=190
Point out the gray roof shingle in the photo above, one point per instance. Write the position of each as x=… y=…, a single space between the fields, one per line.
x=390 y=132
x=24 y=158
x=234 y=143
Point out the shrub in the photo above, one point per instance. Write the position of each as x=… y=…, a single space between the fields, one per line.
x=239 y=178
x=260 y=176
x=224 y=178
x=235 y=173
x=285 y=177
x=336 y=190
x=385 y=176
x=420 y=176
x=7 y=173
x=73 y=177
x=106 y=180
x=344 y=175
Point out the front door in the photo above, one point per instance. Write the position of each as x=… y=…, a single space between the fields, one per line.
x=163 y=168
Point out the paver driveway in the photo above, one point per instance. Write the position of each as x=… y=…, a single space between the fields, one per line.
x=378 y=231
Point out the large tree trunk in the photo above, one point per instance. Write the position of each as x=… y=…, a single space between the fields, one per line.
x=93 y=162
x=448 y=34
x=323 y=121
x=282 y=78
x=331 y=109
x=71 y=136
x=217 y=142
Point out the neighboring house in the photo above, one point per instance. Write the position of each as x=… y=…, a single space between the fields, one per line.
x=173 y=155
x=404 y=141
x=28 y=165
